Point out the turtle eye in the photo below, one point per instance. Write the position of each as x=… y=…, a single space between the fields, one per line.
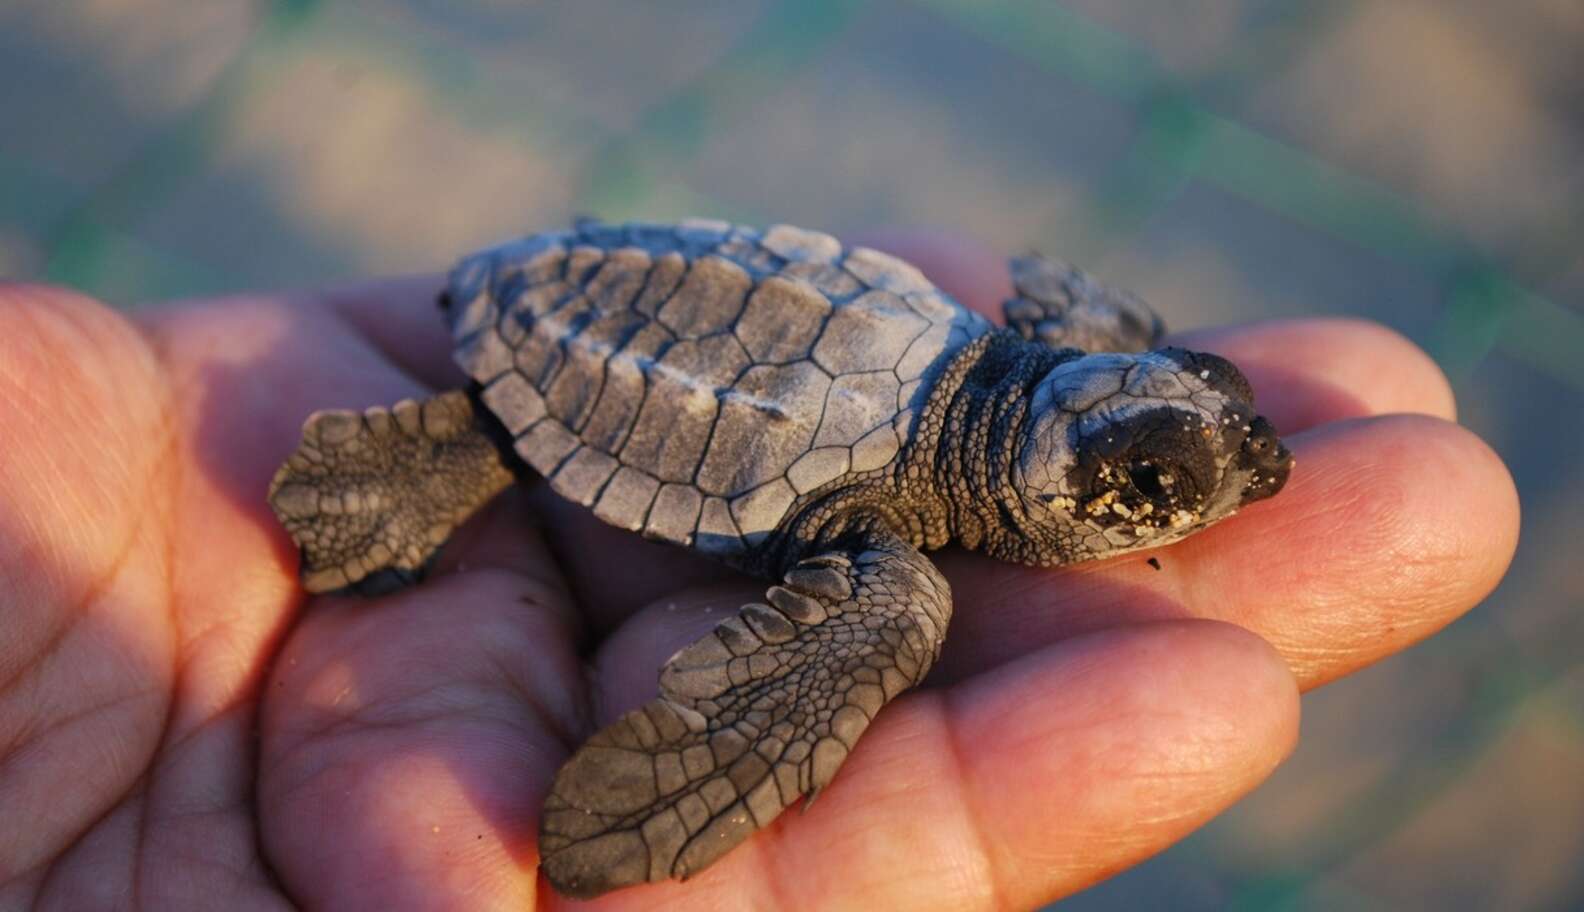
x=1148 y=479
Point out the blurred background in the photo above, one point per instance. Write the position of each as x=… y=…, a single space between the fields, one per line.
x=1420 y=162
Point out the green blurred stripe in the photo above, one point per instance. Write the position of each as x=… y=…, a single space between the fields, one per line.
x=1213 y=148
x=1503 y=678
x=129 y=270
x=1199 y=143
x=1546 y=335
x=1287 y=180
x=479 y=89
x=79 y=246
x=34 y=197
x=785 y=41
x=1054 y=36
x=1159 y=164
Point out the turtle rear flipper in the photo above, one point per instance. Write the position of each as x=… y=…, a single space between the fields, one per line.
x=370 y=496
x=751 y=717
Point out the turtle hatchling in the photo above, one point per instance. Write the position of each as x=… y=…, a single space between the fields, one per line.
x=811 y=413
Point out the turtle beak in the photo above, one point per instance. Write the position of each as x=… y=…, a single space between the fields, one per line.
x=1266 y=458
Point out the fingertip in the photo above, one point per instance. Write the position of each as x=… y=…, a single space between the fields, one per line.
x=1104 y=749
x=1262 y=698
x=15 y=292
x=406 y=744
x=1312 y=370
x=401 y=318
x=50 y=331
x=1427 y=495
x=1390 y=528
x=1468 y=529
x=1221 y=673
x=962 y=267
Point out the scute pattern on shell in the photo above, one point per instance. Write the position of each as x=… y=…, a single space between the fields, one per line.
x=812 y=414
x=691 y=381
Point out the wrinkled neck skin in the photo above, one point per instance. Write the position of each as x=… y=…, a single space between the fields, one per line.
x=988 y=397
x=1049 y=457
x=953 y=477
x=1044 y=457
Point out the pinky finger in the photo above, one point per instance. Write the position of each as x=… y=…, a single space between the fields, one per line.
x=1087 y=759
x=1028 y=782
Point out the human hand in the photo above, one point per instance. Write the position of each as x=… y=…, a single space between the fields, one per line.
x=175 y=733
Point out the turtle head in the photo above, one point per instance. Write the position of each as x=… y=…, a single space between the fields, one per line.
x=1129 y=451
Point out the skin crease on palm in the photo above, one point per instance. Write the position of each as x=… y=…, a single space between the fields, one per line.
x=180 y=729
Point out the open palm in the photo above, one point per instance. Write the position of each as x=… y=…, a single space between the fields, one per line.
x=177 y=731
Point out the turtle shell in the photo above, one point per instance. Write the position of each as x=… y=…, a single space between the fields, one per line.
x=692 y=381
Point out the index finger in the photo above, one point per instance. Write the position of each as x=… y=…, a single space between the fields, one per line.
x=401 y=318
x=1389 y=529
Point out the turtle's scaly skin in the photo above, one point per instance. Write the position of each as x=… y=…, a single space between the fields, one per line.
x=813 y=414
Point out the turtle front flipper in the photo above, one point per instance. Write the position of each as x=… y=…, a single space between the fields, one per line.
x=1064 y=307
x=758 y=713
x=370 y=496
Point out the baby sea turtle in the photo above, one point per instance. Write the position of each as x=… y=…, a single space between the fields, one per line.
x=806 y=412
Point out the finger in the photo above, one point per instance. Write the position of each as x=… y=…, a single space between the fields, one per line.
x=407 y=744
x=627 y=659
x=82 y=472
x=969 y=271
x=1024 y=784
x=401 y=318
x=613 y=572
x=87 y=647
x=1389 y=529
x=246 y=371
x=506 y=536
x=1310 y=371
x=1305 y=372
